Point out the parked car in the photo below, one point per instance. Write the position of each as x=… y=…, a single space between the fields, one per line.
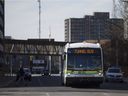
x=27 y=74
x=114 y=74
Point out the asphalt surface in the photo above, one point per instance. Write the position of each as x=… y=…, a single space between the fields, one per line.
x=51 y=86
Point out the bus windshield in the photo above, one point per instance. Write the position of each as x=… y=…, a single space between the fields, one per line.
x=84 y=61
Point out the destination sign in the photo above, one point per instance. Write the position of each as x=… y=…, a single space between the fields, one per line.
x=84 y=51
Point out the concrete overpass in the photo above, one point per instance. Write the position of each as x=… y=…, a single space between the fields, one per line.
x=24 y=52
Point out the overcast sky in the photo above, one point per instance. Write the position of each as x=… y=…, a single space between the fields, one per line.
x=21 y=16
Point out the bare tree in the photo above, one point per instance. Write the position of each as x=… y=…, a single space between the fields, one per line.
x=121 y=10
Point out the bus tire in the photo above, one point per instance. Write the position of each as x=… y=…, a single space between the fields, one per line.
x=66 y=83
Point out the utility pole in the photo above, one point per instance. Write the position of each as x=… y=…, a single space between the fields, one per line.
x=115 y=16
x=99 y=37
x=114 y=9
x=39 y=1
x=49 y=33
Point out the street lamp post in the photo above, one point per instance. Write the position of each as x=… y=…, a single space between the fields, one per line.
x=99 y=30
x=117 y=64
x=39 y=18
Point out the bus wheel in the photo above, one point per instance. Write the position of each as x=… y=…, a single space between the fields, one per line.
x=66 y=83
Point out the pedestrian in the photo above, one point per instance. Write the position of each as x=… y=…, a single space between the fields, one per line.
x=17 y=75
x=20 y=74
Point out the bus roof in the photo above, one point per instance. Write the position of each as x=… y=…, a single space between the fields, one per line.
x=82 y=45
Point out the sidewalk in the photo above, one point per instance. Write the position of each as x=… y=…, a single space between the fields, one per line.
x=6 y=80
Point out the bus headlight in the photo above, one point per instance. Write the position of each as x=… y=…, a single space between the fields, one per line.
x=100 y=74
x=68 y=74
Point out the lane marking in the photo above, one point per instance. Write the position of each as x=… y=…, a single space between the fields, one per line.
x=47 y=94
x=106 y=94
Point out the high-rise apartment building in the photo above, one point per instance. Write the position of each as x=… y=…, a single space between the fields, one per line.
x=91 y=27
x=1 y=32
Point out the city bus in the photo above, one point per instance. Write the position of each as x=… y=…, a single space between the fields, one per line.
x=83 y=62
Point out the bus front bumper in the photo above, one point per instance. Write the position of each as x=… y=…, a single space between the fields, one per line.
x=90 y=79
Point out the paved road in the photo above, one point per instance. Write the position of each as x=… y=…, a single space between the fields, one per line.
x=61 y=94
x=38 y=81
x=60 y=91
x=51 y=86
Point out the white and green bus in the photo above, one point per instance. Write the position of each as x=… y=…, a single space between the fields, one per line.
x=83 y=62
